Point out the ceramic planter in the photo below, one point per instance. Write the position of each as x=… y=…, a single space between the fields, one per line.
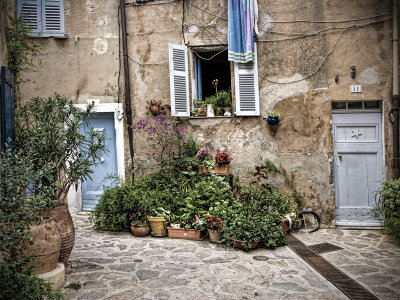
x=203 y=170
x=273 y=120
x=140 y=230
x=221 y=170
x=285 y=226
x=241 y=245
x=214 y=235
x=158 y=226
x=182 y=233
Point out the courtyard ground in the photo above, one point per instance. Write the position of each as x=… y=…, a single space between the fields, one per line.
x=109 y=265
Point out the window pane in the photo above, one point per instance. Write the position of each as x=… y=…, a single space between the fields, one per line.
x=354 y=105
x=371 y=104
x=338 y=105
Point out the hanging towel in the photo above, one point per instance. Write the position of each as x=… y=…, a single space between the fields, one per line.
x=241 y=30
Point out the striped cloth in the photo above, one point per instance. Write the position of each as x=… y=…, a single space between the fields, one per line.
x=241 y=19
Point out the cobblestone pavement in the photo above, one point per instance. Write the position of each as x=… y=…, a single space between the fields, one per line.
x=108 y=265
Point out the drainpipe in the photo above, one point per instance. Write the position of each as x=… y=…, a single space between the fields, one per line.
x=128 y=108
x=395 y=94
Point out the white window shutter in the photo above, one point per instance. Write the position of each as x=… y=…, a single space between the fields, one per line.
x=179 y=80
x=30 y=12
x=53 y=18
x=246 y=88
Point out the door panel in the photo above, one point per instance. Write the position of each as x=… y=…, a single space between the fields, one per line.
x=358 y=166
x=93 y=189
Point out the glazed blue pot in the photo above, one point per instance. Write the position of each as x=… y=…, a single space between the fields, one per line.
x=272 y=120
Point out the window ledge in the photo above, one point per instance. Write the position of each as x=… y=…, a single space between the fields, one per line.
x=216 y=117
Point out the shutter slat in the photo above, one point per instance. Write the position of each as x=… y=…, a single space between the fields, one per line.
x=28 y=11
x=246 y=89
x=179 y=80
x=52 y=15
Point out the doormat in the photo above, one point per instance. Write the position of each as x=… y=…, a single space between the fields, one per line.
x=325 y=247
x=344 y=283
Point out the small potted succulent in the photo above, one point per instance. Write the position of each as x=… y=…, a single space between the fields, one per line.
x=205 y=160
x=221 y=162
x=139 y=224
x=214 y=226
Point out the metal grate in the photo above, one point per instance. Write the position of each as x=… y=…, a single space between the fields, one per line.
x=324 y=247
x=348 y=286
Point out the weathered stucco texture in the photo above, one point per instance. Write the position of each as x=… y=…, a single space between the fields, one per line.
x=85 y=63
x=296 y=75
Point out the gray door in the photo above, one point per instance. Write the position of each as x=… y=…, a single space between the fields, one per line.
x=358 y=166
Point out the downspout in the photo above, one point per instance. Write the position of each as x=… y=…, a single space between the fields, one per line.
x=395 y=94
x=128 y=107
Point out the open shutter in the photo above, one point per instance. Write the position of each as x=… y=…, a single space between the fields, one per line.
x=30 y=12
x=53 y=18
x=179 y=80
x=7 y=108
x=246 y=88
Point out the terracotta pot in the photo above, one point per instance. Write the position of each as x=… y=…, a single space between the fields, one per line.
x=203 y=170
x=45 y=245
x=214 y=235
x=285 y=226
x=158 y=226
x=240 y=244
x=155 y=109
x=221 y=170
x=140 y=230
x=182 y=233
x=65 y=225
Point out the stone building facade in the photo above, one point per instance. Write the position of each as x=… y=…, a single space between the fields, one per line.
x=305 y=52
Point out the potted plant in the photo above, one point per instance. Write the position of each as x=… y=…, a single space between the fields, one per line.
x=48 y=134
x=139 y=224
x=205 y=160
x=244 y=229
x=190 y=229
x=214 y=226
x=273 y=118
x=155 y=107
x=221 y=162
x=158 y=222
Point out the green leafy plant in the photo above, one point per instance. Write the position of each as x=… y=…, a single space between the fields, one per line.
x=21 y=49
x=17 y=212
x=48 y=134
x=388 y=204
x=274 y=114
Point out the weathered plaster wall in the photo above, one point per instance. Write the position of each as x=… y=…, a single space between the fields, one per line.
x=296 y=78
x=7 y=8
x=85 y=63
x=297 y=75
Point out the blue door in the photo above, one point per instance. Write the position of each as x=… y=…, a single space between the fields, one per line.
x=93 y=189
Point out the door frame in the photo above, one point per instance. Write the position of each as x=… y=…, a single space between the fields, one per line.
x=74 y=194
x=346 y=110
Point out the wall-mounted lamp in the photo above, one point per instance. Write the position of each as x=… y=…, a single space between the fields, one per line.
x=353 y=72
x=337 y=78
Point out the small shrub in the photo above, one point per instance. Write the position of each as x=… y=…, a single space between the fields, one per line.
x=388 y=204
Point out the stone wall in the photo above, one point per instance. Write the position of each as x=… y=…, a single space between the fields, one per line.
x=296 y=75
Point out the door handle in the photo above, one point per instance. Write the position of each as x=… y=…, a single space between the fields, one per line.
x=340 y=156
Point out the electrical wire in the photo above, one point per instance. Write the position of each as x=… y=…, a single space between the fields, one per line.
x=332 y=21
x=322 y=31
x=317 y=69
x=203 y=58
x=147 y=4
x=207 y=28
x=203 y=10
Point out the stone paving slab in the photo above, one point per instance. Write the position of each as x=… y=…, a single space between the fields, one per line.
x=368 y=256
x=110 y=265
